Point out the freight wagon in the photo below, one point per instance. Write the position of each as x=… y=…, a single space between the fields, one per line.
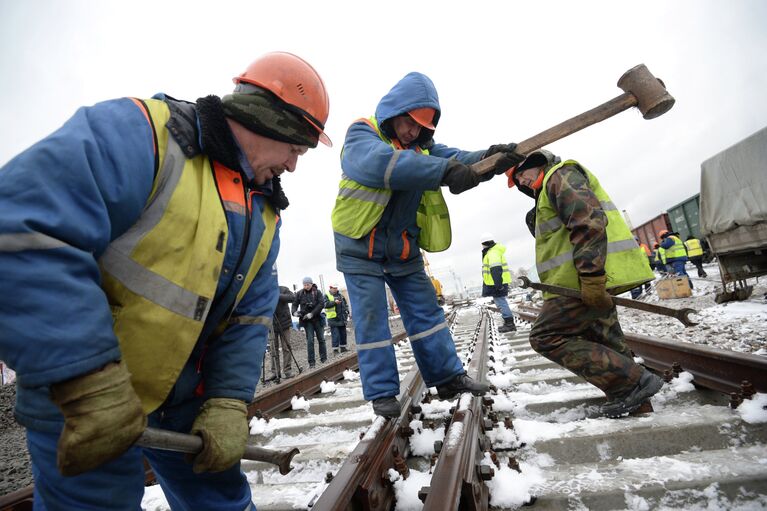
x=648 y=231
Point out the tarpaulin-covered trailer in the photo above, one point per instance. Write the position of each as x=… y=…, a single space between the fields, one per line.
x=733 y=211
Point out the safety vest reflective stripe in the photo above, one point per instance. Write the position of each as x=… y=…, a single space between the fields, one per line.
x=677 y=249
x=330 y=312
x=29 y=241
x=376 y=196
x=626 y=264
x=556 y=223
x=117 y=262
x=428 y=332
x=612 y=247
x=251 y=320
x=694 y=248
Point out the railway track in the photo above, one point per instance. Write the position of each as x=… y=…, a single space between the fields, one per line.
x=535 y=439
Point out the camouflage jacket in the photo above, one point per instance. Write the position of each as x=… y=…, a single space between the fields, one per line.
x=579 y=209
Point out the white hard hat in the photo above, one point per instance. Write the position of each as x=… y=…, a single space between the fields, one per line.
x=334 y=286
x=486 y=236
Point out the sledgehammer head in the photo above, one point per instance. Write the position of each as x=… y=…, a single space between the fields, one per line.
x=653 y=100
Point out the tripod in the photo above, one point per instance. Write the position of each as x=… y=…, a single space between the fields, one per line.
x=275 y=357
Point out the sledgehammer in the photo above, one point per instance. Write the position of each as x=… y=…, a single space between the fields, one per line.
x=642 y=90
x=680 y=314
x=163 y=439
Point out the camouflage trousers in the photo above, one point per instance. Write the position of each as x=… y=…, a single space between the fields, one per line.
x=588 y=342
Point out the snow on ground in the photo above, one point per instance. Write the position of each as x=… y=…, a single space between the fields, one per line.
x=735 y=326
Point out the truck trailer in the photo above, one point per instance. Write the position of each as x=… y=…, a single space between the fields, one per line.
x=733 y=213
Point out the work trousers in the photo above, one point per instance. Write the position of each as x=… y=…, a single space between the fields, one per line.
x=338 y=334
x=424 y=321
x=697 y=261
x=588 y=342
x=502 y=303
x=314 y=328
x=119 y=484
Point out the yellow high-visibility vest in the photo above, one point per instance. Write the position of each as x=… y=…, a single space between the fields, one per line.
x=494 y=257
x=627 y=265
x=694 y=249
x=161 y=275
x=359 y=208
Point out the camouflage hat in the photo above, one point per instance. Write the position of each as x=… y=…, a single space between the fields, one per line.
x=262 y=112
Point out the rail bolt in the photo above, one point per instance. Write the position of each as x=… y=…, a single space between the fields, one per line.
x=747 y=389
x=486 y=472
x=438 y=446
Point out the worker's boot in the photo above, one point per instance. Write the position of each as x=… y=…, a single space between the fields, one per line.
x=649 y=384
x=460 y=384
x=386 y=407
x=508 y=325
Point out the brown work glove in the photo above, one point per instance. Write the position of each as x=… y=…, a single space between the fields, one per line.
x=223 y=425
x=593 y=292
x=102 y=418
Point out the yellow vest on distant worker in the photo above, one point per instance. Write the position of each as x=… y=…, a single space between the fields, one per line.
x=627 y=265
x=694 y=249
x=494 y=257
x=677 y=249
x=161 y=275
x=359 y=208
x=331 y=312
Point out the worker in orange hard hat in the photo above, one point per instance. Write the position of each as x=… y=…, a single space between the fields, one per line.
x=166 y=230
x=389 y=207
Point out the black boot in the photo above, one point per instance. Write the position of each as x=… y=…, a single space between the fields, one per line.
x=386 y=407
x=649 y=385
x=460 y=384
x=508 y=325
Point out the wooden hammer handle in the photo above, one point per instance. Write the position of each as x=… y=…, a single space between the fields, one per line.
x=563 y=129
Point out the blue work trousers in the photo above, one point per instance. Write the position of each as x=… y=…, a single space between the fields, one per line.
x=338 y=334
x=314 y=328
x=424 y=321
x=119 y=484
x=502 y=303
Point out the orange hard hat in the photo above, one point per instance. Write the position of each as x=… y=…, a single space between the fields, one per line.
x=296 y=83
x=662 y=233
x=424 y=117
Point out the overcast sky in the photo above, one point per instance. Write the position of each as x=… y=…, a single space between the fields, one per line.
x=504 y=72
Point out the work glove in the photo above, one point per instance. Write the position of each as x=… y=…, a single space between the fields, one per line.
x=308 y=316
x=510 y=157
x=459 y=177
x=223 y=426
x=593 y=292
x=102 y=418
x=296 y=313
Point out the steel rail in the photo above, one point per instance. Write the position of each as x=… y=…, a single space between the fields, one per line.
x=712 y=368
x=455 y=482
x=362 y=481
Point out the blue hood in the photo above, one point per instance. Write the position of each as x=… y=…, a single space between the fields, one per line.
x=415 y=90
